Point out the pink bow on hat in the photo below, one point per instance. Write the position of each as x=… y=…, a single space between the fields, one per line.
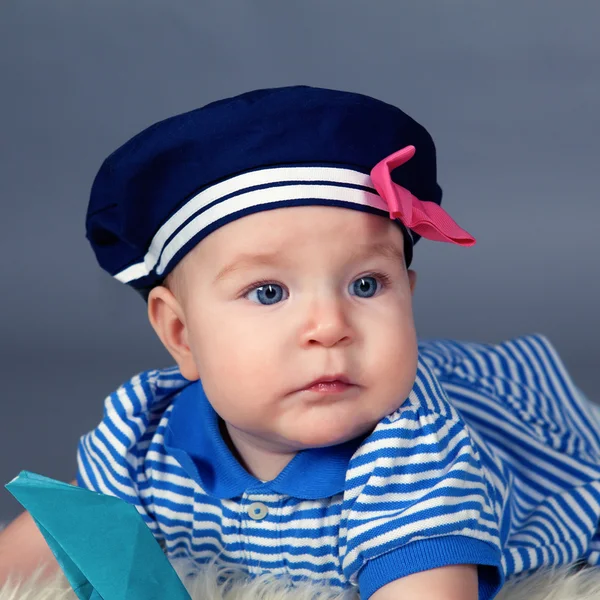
x=424 y=217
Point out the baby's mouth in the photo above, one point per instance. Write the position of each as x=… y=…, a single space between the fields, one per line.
x=330 y=384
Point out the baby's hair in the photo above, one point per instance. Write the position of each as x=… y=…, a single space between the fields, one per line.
x=169 y=281
x=172 y=282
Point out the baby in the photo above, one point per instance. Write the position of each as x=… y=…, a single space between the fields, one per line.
x=306 y=431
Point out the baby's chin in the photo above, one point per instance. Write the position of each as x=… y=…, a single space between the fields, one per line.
x=324 y=434
x=333 y=427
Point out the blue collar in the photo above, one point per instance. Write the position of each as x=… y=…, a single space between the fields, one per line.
x=194 y=439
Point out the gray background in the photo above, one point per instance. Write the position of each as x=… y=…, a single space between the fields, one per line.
x=510 y=91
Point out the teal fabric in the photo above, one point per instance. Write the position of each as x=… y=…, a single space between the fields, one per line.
x=101 y=543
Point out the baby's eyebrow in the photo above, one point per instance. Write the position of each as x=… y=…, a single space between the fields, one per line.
x=273 y=259
x=241 y=261
x=385 y=250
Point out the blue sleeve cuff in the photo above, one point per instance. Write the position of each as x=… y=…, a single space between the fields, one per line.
x=428 y=554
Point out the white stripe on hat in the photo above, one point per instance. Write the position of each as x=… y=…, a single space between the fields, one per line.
x=332 y=185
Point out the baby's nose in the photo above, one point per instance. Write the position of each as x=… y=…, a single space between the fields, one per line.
x=326 y=324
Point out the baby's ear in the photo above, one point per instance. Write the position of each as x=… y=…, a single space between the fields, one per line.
x=168 y=321
x=412 y=280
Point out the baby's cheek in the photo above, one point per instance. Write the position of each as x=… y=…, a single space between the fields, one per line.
x=396 y=367
x=239 y=371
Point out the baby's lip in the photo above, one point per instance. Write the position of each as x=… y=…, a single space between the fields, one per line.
x=341 y=377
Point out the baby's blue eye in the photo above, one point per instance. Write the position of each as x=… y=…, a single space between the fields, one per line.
x=271 y=293
x=364 y=287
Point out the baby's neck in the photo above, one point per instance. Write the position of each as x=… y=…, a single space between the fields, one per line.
x=262 y=463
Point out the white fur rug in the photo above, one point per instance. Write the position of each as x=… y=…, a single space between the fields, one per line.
x=212 y=585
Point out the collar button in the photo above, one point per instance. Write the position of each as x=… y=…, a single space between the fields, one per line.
x=257 y=511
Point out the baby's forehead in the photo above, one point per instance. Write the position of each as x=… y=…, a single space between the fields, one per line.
x=306 y=237
x=299 y=228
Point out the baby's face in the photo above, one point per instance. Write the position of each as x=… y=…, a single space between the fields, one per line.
x=299 y=323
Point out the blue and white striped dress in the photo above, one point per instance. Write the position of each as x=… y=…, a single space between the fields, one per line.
x=493 y=460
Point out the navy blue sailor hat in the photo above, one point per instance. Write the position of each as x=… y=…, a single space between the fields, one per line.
x=168 y=187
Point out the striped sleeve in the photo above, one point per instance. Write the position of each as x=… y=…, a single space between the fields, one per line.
x=417 y=498
x=527 y=375
x=524 y=407
x=110 y=458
